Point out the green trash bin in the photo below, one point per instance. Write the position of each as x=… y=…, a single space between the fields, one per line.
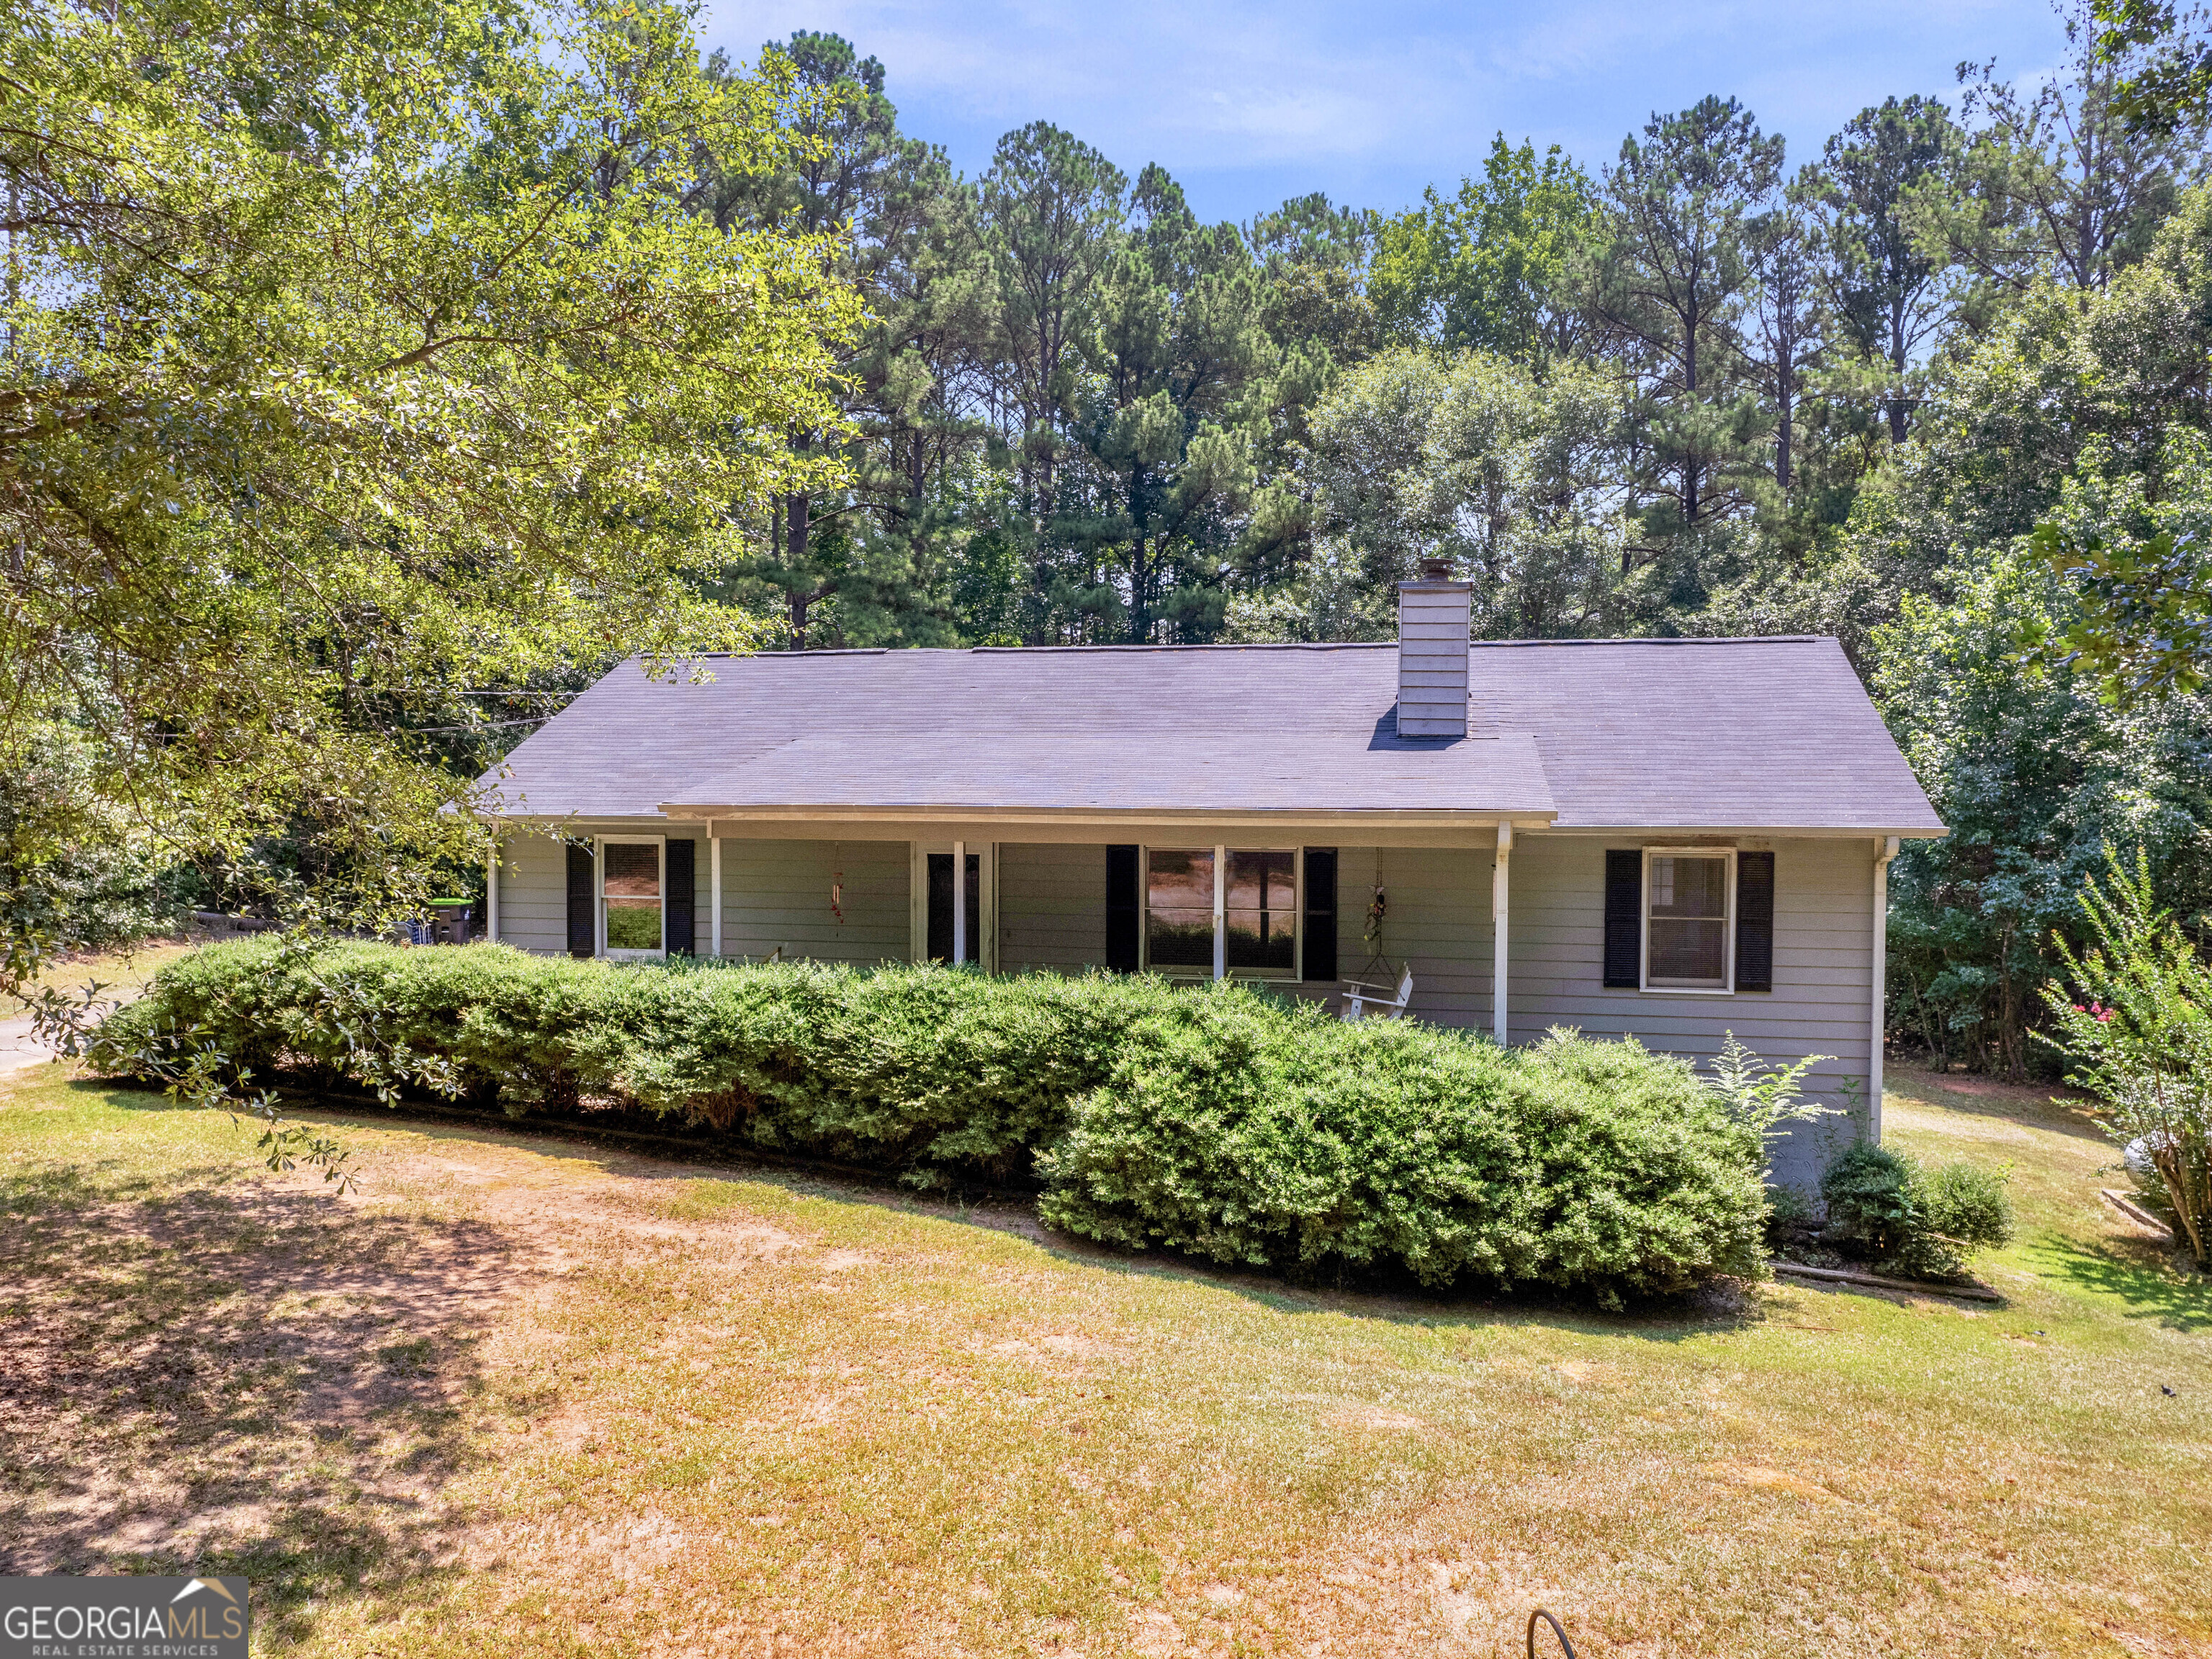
x=449 y=921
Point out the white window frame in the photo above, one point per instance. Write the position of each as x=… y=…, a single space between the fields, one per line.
x=1727 y=988
x=599 y=895
x=1256 y=975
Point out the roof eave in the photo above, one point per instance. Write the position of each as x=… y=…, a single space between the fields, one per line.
x=1804 y=831
x=939 y=813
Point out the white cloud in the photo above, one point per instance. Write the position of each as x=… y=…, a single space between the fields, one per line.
x=1305 y=96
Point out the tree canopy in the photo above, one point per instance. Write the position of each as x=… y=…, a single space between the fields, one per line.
x=379 y=370
x=363 y=360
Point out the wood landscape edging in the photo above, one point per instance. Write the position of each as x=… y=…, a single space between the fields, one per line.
x=2136 y=1212
x=1971 y=1291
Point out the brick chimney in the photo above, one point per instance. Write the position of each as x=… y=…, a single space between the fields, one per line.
x=1433 y=630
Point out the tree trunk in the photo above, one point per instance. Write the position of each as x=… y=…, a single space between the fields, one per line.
x=1690 y=396
x=1785 y=403
x=2011 y=1042
x=1897 y=421
x=797 y=510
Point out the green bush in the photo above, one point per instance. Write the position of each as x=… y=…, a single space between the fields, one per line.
x=1217 y=1120
x=1966 y=1205
x=1922 y=1224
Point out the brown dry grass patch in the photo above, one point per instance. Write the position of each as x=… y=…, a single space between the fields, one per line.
x=524 y=1397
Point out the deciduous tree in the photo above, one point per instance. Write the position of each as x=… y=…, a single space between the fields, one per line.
x=359 y=356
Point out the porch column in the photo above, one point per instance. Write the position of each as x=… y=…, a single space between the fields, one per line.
x=1220 y=912
x=713 y=892
x=1885 y=849
x=959 y=902
x=1500 y=887
x=491 y=896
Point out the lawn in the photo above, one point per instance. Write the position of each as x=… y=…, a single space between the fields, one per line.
x=124 y=970
x=522 y=1397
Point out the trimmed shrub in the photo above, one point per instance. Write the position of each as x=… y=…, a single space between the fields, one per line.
x=1215 y=1120
x=1967 y=1206
x=1869 y=1192
x=1922 y=1224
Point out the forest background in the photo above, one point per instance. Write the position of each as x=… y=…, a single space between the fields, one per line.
x=716 y=354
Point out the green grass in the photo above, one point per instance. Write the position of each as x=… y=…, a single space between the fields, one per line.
x=523 y=1397
x=127 y=969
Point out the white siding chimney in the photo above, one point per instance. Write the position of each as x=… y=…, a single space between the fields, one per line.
x=1433 y=630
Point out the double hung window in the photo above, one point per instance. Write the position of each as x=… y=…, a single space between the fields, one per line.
x=1252 y=932
x=630 y=896
x=1689 y=911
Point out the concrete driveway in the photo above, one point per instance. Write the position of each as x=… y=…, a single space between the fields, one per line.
x=19 y=1049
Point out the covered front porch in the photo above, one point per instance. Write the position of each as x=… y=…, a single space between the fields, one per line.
x=1299 y=906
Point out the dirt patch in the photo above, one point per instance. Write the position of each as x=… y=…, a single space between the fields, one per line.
x=227 y=1370
x=1047 y=1347
x=1378 y=1420
x=1760 y=1478
x=2041 y=1105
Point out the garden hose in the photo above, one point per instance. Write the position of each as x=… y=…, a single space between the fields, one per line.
x=1546 y=1617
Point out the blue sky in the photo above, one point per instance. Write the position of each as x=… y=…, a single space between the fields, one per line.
x=1247 y=104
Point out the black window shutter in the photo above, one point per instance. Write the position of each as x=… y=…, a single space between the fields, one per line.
x=680 y=899
x=1321 y=912
x=1754 y=922
x=583 y=933
x=1124 y=909
x=1624 y=917
x=972 y=889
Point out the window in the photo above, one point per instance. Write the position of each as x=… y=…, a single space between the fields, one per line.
x=1688 y=909
x=1179 y=909
x=1259 y=912
x=1258 y=924
x=630 y=897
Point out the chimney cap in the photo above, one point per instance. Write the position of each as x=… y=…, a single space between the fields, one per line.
x=1436 y=570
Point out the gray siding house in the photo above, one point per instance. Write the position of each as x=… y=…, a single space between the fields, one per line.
x=1668 y=839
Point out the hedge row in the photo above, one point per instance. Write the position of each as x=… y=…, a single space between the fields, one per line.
x=1215 y=1120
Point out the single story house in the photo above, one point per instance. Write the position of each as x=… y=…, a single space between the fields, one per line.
x=1672 y=839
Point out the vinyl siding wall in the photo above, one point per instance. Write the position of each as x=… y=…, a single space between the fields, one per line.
x=1052 y=908
x=773 y=893
x=777 y=893
x=1436 y=920
x=1052 y=917
x=1819 y=1005
x=533 y=894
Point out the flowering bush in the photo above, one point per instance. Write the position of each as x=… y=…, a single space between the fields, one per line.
x=2137 y=1025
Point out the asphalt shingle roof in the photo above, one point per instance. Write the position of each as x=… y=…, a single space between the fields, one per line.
x=1652 y=733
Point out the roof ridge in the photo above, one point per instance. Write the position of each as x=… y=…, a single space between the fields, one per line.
x=1254 y=645
x=1676 y=639
x=1210 y=645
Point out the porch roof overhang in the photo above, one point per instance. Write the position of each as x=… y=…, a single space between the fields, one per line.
x=1156 y=826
